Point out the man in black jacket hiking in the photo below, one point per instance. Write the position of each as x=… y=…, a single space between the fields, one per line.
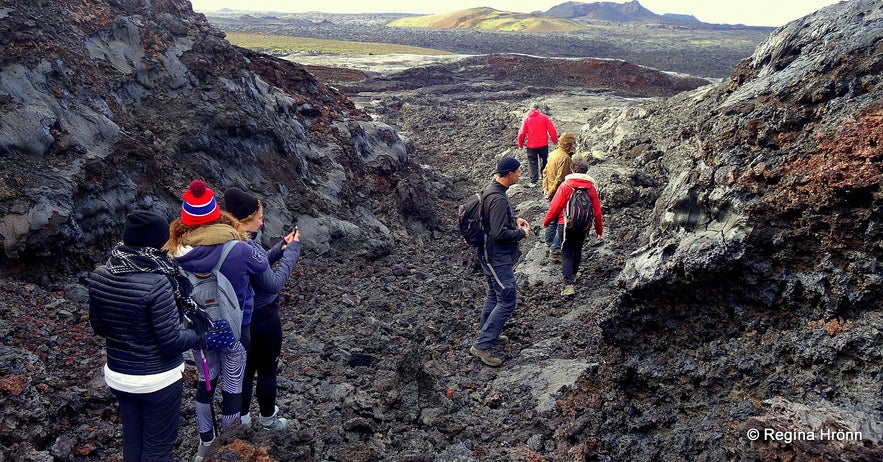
x=498 y=258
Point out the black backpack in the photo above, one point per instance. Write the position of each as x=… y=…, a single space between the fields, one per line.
x=578 y=212
x=471 y=219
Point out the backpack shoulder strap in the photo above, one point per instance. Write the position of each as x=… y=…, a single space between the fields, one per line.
x=484 y=194
x=228 y=246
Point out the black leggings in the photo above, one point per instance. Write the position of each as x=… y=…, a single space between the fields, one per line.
x=571 y=253
x=263 y=358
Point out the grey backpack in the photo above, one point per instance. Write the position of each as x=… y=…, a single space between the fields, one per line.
x=214 y=293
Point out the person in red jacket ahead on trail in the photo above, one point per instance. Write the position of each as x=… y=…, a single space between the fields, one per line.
x=536 y=128
x=572 y=244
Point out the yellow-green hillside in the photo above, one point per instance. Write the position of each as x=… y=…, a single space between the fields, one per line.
x=288 y=43
x=490 y=19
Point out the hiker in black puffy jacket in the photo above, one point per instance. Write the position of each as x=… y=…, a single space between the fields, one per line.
x=136 y=303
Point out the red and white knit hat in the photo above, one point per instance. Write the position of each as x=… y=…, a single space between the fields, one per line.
x=199 y=206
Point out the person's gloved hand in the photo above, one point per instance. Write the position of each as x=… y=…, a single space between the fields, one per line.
x=199 y=328
x=245 y=337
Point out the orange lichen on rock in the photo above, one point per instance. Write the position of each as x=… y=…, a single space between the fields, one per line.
x=832 y=327
x=13 y=384
x=245 y=451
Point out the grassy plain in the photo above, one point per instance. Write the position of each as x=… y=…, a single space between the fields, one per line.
x=286 y=43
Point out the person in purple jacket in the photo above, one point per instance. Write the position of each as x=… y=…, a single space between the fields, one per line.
x=266 y=324
x=196 y=241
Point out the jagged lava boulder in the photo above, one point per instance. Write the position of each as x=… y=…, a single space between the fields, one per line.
x=752 y=300
x=115 y=105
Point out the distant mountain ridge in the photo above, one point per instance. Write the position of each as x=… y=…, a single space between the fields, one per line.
x=565 y=17
x=628 y=12
x=606 y=11
x=490 y=19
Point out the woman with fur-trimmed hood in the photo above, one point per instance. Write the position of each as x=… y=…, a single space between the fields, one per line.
x=196 y=241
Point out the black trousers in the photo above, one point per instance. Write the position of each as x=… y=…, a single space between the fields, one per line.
x=537 y=156
x=150 y=423
x=263 y=359
x=572 y=252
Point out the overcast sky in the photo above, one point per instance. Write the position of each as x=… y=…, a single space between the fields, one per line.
x=748 y=12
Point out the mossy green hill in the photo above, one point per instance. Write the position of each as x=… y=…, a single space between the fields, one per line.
x=490 y=19
x=287 y=43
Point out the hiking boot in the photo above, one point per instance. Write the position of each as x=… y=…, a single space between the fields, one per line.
x=274 y=422
x=569 y=290
x=485 y=356
x=245 y=419
x=502 y=338
x=555 y=255
x=202 y=450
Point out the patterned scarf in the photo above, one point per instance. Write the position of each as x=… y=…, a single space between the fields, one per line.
x=127 y=260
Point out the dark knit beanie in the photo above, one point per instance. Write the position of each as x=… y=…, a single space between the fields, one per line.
x=507 y=165
x=240 y=204
x=145 y=229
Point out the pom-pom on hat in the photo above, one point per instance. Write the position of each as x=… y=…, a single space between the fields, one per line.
x=145 y=229
x=507 y=165
x=241 y=204
x=199 y=206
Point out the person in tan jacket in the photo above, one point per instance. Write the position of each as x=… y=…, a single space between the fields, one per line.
x=559 y=166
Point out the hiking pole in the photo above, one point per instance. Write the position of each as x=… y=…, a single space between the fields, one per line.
x=208 y=387
x=208 y=384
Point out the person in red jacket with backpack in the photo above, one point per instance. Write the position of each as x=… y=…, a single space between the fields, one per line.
x=535 y=132
x=574 y=236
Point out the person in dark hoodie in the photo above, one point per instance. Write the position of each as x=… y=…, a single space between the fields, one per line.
x=266 y=324
x=196 y=241
x=573 y=239
x=137 y=302
x=498 y=257
x=535 y=132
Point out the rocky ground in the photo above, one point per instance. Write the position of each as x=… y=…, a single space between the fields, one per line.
x=375 y=365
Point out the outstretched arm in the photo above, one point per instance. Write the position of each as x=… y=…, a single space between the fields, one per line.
x=273 y=281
